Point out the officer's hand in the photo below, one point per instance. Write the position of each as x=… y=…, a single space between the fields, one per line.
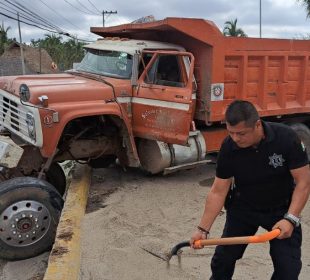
x=197 y=235
x=285 y=227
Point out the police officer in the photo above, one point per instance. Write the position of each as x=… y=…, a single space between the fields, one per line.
x=263 y=175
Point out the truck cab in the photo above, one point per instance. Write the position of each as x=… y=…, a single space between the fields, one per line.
x=153 y=82
x=160 y=83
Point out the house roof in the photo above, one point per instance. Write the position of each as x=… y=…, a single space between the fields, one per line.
x=37 y=60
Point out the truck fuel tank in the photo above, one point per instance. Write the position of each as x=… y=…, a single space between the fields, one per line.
x=155 y=156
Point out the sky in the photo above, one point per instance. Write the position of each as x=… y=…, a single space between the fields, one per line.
x=280 y=18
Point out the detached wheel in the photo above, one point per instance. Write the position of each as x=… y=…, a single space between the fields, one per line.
x=56 y=176
x=303 y=133
x=29 y=213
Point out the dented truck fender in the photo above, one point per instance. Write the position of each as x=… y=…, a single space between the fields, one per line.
x=70 y=111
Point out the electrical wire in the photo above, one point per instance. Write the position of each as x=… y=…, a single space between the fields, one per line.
x=87 y=8
x=33 y=14
x=22 y=15
x=46 y=29
x=52 y=31
x=94 y=6
x=36 y=20
x=9 y=7
x=39 y=17
x=30 y=13
x=58 y=14
x=76 y=8
x=119 y=20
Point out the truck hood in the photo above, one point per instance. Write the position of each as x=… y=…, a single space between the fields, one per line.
x=61 y=87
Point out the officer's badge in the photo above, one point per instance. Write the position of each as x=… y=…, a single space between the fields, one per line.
x=276 y=160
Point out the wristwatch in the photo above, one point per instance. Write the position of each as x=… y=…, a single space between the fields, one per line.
x=295 y=221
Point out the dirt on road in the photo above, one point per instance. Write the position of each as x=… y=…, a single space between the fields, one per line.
x=131 y=213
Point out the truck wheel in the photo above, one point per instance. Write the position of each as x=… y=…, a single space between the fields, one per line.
x=29 y=213
x=56 y=176
x=303 y=133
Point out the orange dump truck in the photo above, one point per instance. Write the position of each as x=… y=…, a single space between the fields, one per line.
x=152 y=95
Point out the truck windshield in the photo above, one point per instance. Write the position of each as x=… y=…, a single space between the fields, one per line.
x=107 y=63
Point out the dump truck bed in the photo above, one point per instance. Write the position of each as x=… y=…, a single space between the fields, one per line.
x=274 y=74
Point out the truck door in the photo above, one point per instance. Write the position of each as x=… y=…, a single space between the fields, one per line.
x=163 y=104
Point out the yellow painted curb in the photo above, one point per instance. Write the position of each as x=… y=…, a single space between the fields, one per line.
x=65 y=257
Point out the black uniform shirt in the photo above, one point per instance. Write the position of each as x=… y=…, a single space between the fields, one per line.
x=262 y=175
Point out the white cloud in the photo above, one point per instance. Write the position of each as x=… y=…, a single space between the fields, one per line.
x=280 y=18
x=283 y=4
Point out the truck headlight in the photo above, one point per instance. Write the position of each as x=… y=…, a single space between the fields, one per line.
x=31 y=126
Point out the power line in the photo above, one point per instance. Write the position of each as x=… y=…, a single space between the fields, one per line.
x=22 y=15
x=52 y=31
x=33 y=19
x=86 y=8
x=62 y=32
x=33 y=14
x=119 y=21
x=76 y=8
x=46 y=29
x=94 y=6
x=59 y=14
x=39 y=17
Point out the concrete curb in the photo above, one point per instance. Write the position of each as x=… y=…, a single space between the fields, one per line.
x=65 y=257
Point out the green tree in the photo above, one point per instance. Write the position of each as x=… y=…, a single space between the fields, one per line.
x=4 y=40
x=230 y=29
x=306 y=3
x=64 y=54
x=52 y=44
x=73 y=52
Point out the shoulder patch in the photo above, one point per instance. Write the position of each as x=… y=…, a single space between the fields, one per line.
x=303 y=146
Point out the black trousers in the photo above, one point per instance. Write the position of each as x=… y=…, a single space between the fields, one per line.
x=285 y=253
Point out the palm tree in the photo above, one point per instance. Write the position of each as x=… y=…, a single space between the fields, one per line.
x=306 y=3
x=53 y=45
x=230 y=29
x=64 y=54
x=4 y=40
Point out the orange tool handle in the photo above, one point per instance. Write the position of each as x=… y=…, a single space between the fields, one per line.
x=261 y=238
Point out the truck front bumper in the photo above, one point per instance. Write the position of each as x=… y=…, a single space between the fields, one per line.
x=10 y=153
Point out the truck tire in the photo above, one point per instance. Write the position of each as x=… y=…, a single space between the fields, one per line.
x=29 y=213
x=303 y=133
x=56 y=176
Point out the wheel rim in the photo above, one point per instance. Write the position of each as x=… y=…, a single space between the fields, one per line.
x=24 y=223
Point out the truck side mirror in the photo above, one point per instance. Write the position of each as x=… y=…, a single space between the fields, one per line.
x=134 y=74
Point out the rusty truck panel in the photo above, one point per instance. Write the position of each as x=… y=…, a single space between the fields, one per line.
x=272 y=73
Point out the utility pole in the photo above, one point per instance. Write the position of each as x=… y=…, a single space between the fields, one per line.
x=260 y=18
x=21 y=46
x=106 y=12
x=40 y=70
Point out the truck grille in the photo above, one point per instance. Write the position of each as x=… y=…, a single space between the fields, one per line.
x=10 y=114
x=13 y=116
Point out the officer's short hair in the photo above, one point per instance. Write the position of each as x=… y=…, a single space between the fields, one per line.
x=241 y=110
